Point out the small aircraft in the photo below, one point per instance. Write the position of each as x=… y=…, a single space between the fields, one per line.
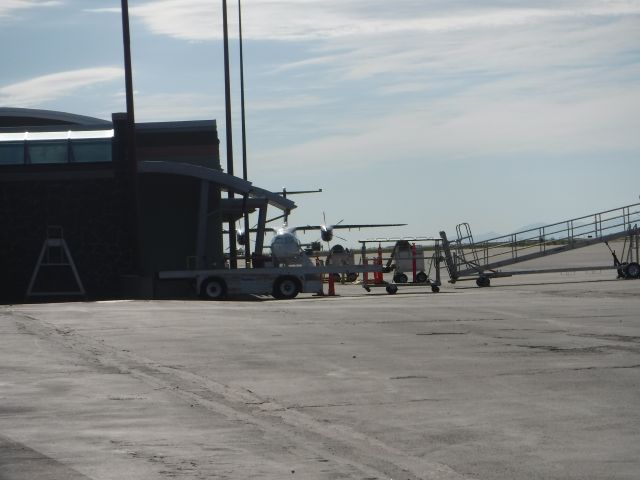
x=286 y=247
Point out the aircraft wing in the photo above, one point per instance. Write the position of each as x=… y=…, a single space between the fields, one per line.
x=369 y=225
x=252 y=230
x=304 y=228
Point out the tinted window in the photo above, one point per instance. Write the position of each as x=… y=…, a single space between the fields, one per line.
x=48 y=152
x=11 y=153
x=91 y=151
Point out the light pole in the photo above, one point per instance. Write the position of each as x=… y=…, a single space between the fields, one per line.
x=233 y=261
x=132 y=166
x=247 y=246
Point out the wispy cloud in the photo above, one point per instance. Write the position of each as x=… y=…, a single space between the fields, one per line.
x=288 y=102
x=471 y=127
x=8 y=7
x=326 y=19
x=177 y=106
x=36 y=91
x=432 y=78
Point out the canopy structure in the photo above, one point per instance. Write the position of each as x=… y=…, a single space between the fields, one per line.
x=226 y=182
x=253 y=197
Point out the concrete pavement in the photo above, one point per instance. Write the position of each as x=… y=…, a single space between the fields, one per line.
x=535 y=377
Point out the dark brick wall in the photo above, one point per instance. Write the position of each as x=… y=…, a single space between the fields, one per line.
x=96 y=223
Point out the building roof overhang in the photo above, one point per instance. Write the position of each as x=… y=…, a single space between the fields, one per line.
x=226 y=182
x=28 y=117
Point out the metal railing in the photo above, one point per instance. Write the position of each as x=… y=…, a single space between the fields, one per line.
x=476 y=257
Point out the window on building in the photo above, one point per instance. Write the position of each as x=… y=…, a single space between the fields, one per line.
x=81 y=146
x=48 y=152
x=90 y=151
x=11 y=153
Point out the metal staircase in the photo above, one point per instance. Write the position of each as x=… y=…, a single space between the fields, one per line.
x=466 y=259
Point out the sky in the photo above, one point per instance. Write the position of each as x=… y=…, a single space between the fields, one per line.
x=428 y=112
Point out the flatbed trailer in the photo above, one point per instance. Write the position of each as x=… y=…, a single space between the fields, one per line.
x=280 y=282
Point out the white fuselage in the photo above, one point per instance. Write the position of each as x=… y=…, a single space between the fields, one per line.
x=285 y=245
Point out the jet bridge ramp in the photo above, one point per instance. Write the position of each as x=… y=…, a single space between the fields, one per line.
x=467 y=259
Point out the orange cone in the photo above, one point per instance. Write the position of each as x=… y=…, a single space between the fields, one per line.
x=332 y=286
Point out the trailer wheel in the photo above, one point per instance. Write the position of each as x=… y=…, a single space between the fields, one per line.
x=286 y=288
x=435 y=288
x=400 y=278
x=352 y=277
x=421 y=277
x=632 y=270
x=213 y=289
x=483 y=282
x=392 y=289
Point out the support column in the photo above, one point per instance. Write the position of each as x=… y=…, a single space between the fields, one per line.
x=262 y=220
x=203 y=219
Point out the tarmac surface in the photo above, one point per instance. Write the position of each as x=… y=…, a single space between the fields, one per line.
x=536 y=377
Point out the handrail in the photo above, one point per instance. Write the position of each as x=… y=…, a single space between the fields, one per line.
x=541 y=241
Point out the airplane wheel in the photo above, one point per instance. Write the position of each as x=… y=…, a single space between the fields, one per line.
x=421 y=277
x=400 y=278
x=632 y=270
x=286 y=288
x=213 y=289
x=483 y=282
x=392 y=289
x=435 y=288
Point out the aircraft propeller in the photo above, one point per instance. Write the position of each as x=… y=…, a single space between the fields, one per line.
x=326 y=231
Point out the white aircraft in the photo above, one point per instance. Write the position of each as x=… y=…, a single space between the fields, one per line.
x=286 y=247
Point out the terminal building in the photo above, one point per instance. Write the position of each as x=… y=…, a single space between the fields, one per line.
x=81 y=217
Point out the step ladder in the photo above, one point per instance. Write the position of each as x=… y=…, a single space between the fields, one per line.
x=54 y=262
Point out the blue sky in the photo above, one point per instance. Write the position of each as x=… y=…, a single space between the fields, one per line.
x=498 y=113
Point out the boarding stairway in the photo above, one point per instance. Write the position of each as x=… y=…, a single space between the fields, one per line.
x=466 y=259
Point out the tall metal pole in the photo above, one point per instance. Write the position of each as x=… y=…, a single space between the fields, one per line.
x=128 y=77
x=247 y=247
x=233 y=262
x=131 y=138
x=244 y=131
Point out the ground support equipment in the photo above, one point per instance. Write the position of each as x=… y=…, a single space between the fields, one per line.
x=406 y=258
x=466 y=259
x=279 y=282
x=340 y=256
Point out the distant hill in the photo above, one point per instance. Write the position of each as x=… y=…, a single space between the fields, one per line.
x=531 y=226
x=581 y=229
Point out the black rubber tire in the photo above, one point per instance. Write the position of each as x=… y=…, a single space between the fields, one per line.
x=421 y=277
x=286 y=288
x=213 y=289
x=435 y=288
x=352 y=277
x=392 y=289
x=632 y=270
x=400 y=278
x=337 y=277
x=483 y=282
